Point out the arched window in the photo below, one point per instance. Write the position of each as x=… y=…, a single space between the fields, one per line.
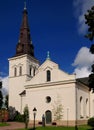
x=48 y=75
x=87 y=108
x=15 y=71
x=34 y=70
x=20 y=70
x=30 y=70
x=81 y=107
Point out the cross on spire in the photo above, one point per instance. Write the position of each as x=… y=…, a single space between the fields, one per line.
x=48 y=55
x=24 y=4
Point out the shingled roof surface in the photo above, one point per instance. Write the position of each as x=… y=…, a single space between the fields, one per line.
x=83 y=81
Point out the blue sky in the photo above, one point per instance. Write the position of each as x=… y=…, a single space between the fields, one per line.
x=57 y=26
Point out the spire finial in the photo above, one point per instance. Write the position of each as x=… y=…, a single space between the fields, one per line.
x=48 y=55
x=24 y=4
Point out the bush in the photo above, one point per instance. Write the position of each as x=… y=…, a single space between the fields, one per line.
x=12 y=113
x=91 y=122
x=19 y=118
x=3 y=115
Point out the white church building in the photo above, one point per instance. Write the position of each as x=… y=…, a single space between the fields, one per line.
x=57 y=95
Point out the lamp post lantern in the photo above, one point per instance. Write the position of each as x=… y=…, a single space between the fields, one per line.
x=34 y=113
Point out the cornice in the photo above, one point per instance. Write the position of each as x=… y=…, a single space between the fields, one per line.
x=22 y=56
x=48 y=84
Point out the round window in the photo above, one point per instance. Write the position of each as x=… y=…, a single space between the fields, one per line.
x=48 y=99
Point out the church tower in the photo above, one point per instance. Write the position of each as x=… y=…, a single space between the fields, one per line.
x=23 y=65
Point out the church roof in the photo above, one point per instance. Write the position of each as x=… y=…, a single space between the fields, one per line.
x=83 y=81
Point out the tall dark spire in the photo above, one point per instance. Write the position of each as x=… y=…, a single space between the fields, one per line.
x=24 y=45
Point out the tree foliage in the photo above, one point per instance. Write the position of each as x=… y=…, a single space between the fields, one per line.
x=0 y=84
x=91 y=82
x=26 y=116
x=1 y=95
x=92 y=49
x=91 y=122
x=12 y=113
x=57 y=109
x=6 y=101
x=90 y=22
x=89 y=17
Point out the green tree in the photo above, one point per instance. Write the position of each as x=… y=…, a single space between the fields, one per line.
x=57 y=109
x=1 y=95
x=89 y=17
x=91 y=122
x=26 y=116
x=6 y=101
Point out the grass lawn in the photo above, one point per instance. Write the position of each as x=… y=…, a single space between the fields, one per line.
x=84 y=127
x=3 y=124
x=50 y=128
x=61 y=128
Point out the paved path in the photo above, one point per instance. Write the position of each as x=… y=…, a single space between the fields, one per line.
x=13 y=126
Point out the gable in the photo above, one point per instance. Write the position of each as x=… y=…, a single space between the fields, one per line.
x=48 y=64
x=50 y=71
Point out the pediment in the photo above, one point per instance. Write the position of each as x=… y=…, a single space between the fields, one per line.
x=48 y=64
x=48 y=68
x=57 y=75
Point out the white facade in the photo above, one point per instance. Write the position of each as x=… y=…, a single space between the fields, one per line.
x=59 y=96
x=48 y=88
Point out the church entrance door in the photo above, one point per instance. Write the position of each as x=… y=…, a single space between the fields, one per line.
x=48 y=116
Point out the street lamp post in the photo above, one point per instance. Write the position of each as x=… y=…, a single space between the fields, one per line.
x=34 y=113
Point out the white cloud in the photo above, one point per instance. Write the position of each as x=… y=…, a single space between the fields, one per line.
x=83 y=61
x=82 y=72
x=81 y=7
x=4 y=85
x=83 y=58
